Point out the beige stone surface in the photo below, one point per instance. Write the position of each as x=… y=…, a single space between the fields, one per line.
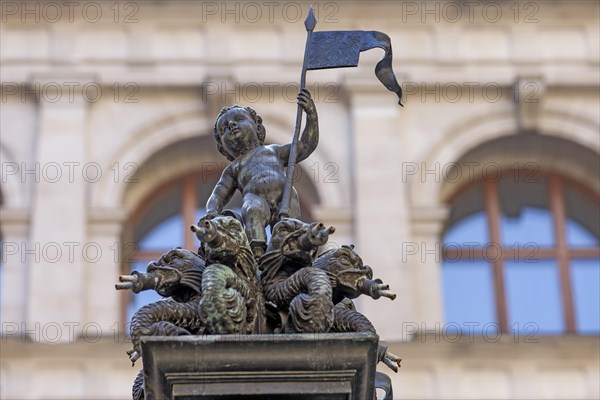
x=157 y=76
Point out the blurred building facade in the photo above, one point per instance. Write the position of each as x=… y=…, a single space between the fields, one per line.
x=477 y=202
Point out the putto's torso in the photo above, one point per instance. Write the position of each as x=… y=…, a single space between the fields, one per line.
x=261 y=172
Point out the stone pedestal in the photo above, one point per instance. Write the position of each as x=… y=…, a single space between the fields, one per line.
x=300 y=367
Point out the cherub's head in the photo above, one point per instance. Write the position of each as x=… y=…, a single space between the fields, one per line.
x=238 y=124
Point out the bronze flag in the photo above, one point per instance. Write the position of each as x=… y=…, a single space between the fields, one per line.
x=337 y=49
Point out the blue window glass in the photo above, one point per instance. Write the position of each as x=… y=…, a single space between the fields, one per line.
x=468 y=294
x=160 y=229
x=468 y=286
x=579 y=236
x=161 y=226
x=2 y=255
x=165 y=235
x=472 y=230
x=525 y=215
x=585 y=280
x=533 y=296
x=583 y=219
x=531 y=225
x=468 y=221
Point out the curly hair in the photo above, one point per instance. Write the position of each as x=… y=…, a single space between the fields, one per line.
x=261 y=132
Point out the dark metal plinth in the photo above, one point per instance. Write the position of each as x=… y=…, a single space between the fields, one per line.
x=279 y=367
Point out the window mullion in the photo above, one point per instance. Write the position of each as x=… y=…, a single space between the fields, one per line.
x=492 y=207
x=189 y=210
x=557 y=206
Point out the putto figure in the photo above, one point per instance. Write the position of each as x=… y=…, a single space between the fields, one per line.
x=257 y=170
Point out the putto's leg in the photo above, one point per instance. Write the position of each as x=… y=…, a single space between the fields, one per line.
x=256 y=214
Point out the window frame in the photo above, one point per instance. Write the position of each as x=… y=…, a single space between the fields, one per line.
x=561 y=252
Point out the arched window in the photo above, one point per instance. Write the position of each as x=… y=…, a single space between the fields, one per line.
x=523 y=252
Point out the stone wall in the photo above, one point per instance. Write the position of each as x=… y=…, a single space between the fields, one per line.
x=93 y=95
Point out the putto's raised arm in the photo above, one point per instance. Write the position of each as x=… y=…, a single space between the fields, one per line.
x=310 y=136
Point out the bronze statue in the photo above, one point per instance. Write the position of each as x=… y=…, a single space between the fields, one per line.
x=237 y=283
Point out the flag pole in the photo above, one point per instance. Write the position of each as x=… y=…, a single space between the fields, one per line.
x=284 y=210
